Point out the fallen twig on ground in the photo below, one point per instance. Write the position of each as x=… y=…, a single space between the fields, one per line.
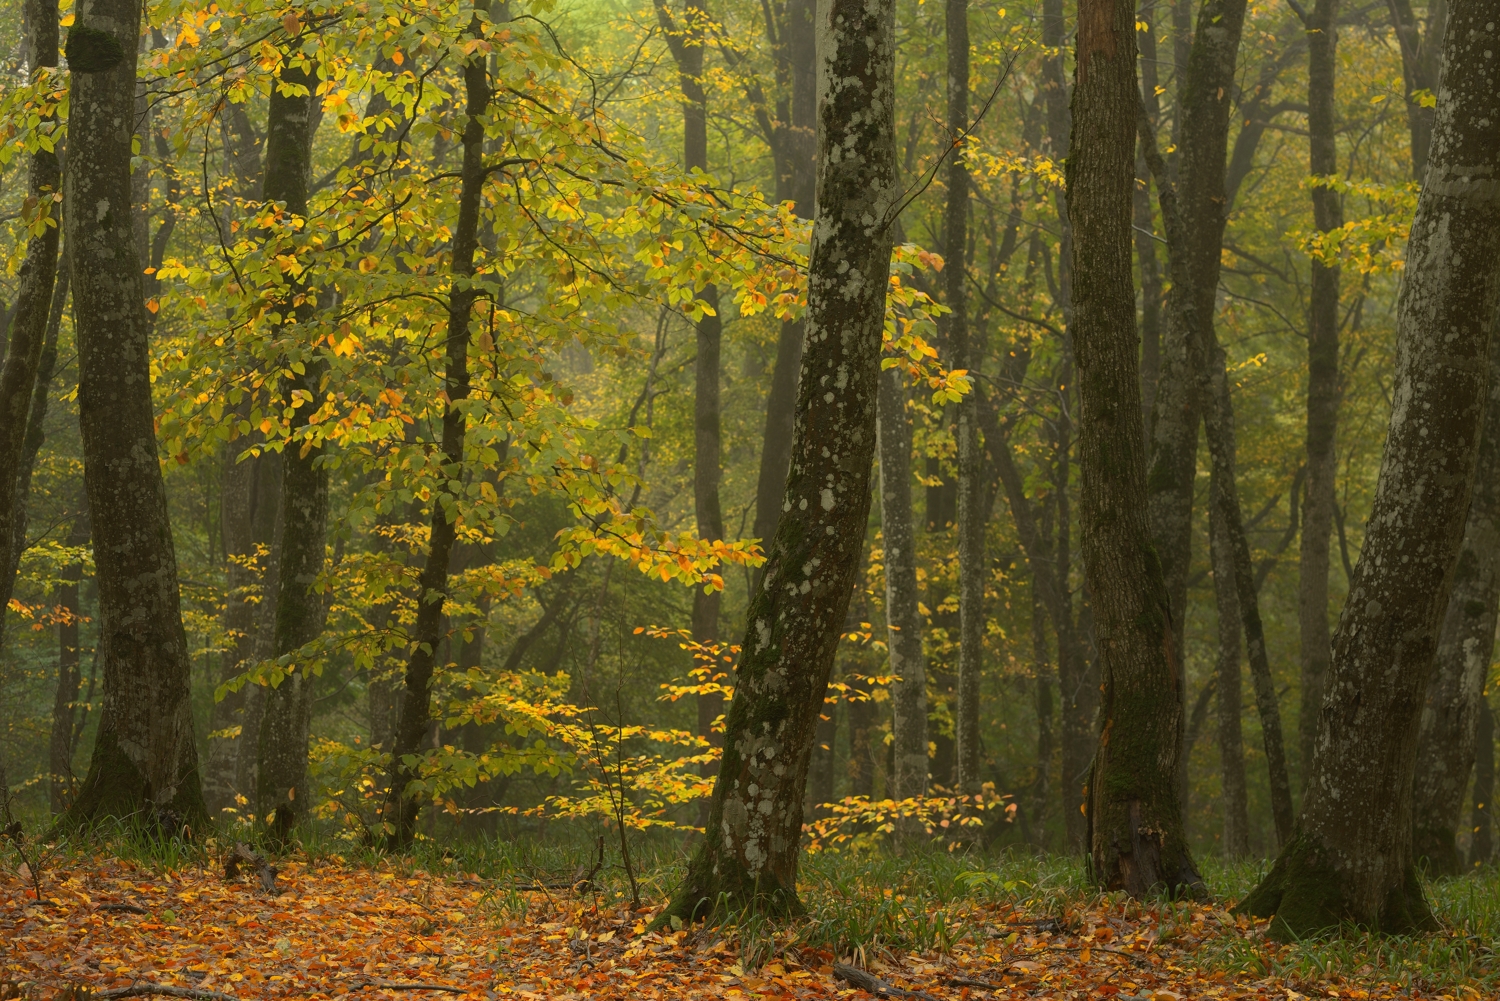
x=868 y=982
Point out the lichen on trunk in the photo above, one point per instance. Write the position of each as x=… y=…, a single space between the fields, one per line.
x=749 y=852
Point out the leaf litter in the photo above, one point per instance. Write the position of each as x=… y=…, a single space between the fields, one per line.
x=112 y=928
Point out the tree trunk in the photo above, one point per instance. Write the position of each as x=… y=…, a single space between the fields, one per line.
x=1206 y=91
x=249 y=497
x=903 y=619
x=1137 y=836
x=1481 y=845
x=1450 y=717
x=1419 y=67
x=798 y=137
x=748 y=856
x=299 y=615
x=28 y=328
x=1236 y=835
x=1041 y=786
x=64 y=705
x=967 y=354
x=412 y=722
x=1322 y=379
x=1352 y=858
x=144 y=755
x=1145 y=242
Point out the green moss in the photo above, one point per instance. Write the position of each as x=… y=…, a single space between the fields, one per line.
x=90 y=50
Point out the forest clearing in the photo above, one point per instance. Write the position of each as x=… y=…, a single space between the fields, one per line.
x=920 y=499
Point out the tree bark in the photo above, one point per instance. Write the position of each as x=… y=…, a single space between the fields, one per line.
x=1322 y=378
x=28 y=326
x=144 y=755
x=749 y=853
x=1419 y=68
x=1236 y=832
x=1137 y=835
x=1481 y=844
x=62 y=742
x=299 y=613
x=1041 y=785
x=967 y=354
x=1145 y=229
x=1206 y=91
x=413 y=717
x=1450 y=716
x=1352 y=858
x=903 y=619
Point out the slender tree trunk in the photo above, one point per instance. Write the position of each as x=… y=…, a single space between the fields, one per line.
x=1481 y=845
x=1137 y=835
x=28 y=328
x=414 y=715
x=1419 y=67
x=967 y=354
x=1041 y=786
x=1206 y=91
x=1322 y=379
x=249 y=497
x=1352 y=857
x=64 y=705
x=749 y=853
x=1450 y=717
x=1236 y=843
x=144 y=755
x=1145 y=228
x=903 y=619
x=300 y=613
x=798 y=185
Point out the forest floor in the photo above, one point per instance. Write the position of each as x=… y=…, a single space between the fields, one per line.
x=114 y=924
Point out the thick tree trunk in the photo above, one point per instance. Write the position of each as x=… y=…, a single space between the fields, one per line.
x=299 y=613
x=144 y=755
x=903 y=619
x=1236 y=832
x=1206 y=90
x=28 y=327
x=413 y=720
x=64 y=704
x=1322 y=379
x=748 y=856
x=1137 y=835
x=1352 y=858
x=1481 y=844
x=1450 y=717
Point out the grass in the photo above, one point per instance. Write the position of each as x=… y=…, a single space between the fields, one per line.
x=865 y=904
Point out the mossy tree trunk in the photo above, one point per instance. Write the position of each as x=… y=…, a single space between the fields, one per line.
x=1136 y=822
x=299 y=611
x=144 y=756
x=1450 y=717
x=749 y=852
x=1352 y=858
x=415 y=710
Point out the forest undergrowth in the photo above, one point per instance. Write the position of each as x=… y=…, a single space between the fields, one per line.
x=541 y=918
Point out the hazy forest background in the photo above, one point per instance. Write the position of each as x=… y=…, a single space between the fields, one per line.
x=635 y=327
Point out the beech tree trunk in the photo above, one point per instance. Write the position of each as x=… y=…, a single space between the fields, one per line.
x=414 y=712
x=28 y=325
x=1481 y=844
x=1352 y=858
x=1419 y=66
x=1450 y=716
x=1137 y=835
x=903 y=619
x=299 y=613
x=1145 y=243
x=749 y=852
x=144 y=755
x=1236 y=831
x=1322 y=378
